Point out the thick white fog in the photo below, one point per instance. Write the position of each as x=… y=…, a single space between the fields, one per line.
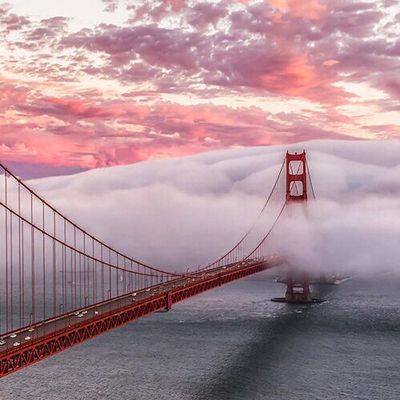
x=178 y=212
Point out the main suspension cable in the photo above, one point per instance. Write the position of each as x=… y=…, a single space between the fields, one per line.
x=74 y=225
x=81 y=253
x=252 y=226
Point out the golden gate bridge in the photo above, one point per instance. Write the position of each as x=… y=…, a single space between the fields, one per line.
x=61 y=286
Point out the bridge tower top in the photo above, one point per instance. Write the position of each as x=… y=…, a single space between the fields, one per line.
x=296 y=176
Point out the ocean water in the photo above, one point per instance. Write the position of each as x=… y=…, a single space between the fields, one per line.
x=234 y=344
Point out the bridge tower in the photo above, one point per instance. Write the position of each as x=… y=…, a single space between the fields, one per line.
x=297 y=283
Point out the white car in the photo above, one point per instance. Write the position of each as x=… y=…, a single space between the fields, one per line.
x=27 y=338
x=2 y=342
x=13 y=335
x=16 y=344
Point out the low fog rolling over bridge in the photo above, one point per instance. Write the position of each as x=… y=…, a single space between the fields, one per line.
x=61 y=286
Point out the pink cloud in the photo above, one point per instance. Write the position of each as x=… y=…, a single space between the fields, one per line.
x=296 y=77
x=309 y=9
x=12 y=22
x=278 y=50
x=177 y=4
x=391 y=85
x=110 y=5
x=330 y=63
x=70 y=132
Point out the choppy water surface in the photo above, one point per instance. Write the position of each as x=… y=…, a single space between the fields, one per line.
x=233 y=343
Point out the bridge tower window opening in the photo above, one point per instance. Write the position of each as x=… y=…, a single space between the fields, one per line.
x=296 y=189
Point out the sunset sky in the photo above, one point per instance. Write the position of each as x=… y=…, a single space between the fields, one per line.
x=91 y=83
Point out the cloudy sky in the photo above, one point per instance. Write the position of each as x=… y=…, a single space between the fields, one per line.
x=91 y=83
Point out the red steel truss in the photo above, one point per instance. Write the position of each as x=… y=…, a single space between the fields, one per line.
x=55 y=342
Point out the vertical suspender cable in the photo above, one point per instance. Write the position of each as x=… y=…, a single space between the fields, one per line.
x=44 y=261
x=33 y=264
x=20 y=287
x=102 y=273
x=11 y=274
x=94 y=283
x=109 y=273
x=6 y=243
x=84 y=269
x=54 y=268
x=117 y=275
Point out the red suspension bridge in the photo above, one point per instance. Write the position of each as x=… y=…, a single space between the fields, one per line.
x=61 y=286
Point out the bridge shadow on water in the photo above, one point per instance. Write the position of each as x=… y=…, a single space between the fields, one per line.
x=244 y=369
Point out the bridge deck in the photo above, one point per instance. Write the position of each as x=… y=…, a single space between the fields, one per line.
x=39 y=341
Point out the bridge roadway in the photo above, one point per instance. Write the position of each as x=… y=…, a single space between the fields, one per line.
x=43 y=339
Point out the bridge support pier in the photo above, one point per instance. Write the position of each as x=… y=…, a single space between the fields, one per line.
x=297 y=291
x=169 y=301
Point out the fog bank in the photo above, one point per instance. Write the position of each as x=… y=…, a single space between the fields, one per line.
x=188 y=211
